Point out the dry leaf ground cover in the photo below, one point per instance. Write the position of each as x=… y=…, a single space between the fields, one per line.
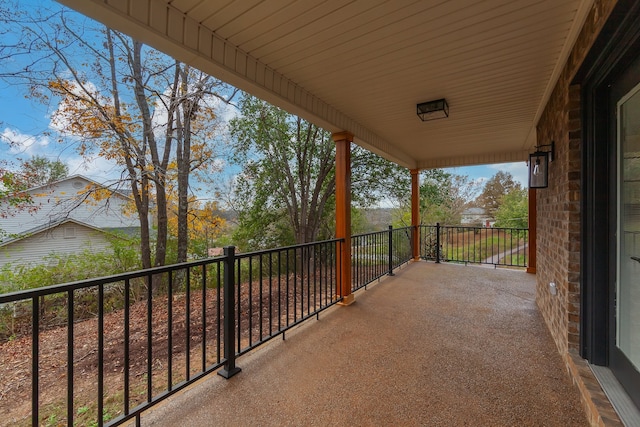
x=15 y=354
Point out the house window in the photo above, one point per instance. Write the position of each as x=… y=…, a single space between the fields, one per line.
x=70 y=233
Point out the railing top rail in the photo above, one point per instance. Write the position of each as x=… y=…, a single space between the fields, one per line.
x=285 y=248
x=408 y=227
x=473 y=227
x=371 y=233
x=87 y=283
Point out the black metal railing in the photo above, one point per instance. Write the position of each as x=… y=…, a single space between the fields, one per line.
x=277 y=289
x=150 y=333
x=401 y=247
x=146 y=335
x=377 y=254
x=477 y=245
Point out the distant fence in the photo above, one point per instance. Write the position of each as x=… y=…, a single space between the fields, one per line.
x=476 y=245
x=377 y=254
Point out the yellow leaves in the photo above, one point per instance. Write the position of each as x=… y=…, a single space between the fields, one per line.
x=202 y=223
x=122 y=123
x=101 y=194
x=85 y=112
x=82 y=149
x=93 y=194
x=129 y=209
x=58 y=86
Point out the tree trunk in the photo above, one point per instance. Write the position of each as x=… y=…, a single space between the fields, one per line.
x=140 y=191
x=158 y=173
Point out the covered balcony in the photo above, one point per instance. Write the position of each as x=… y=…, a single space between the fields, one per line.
x=451 y=338
x=436 y=341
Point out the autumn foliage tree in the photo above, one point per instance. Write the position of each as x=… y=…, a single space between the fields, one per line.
x=150 y=115
x=202 y=224
x=494 y=190
x=443 y=197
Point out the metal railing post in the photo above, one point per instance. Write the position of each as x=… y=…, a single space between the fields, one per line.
x=390 y=250
x=414 y=233
x=229 y=369
x=437 y=243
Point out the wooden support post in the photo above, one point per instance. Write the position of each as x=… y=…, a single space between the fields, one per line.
x=343 y=212
x=415 y=212
x=533 y=219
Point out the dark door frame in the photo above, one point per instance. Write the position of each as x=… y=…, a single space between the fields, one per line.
x=615 y=51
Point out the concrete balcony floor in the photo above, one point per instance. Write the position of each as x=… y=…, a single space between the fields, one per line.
x=434 y=345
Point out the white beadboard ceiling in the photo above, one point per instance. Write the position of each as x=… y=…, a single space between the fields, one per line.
x=363 y=65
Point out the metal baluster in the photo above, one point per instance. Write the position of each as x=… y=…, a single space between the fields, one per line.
x=70 y=326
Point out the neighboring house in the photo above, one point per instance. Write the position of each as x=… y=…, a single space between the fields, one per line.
x=65 y=237
x=476 y=216
x=65 y=217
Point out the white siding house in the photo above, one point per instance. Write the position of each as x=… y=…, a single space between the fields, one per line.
x=475 y=217
x=74 y=198
x=65 y=217
x=64 y=238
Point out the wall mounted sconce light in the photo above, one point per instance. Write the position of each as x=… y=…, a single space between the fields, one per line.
x=431 y=110
x=539 y=165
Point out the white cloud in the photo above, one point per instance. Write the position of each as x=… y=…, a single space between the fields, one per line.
x=97 y=168
x=480 y=181
x=25 y=146
x=518 y=170
x=20 y=143
x=226 y=112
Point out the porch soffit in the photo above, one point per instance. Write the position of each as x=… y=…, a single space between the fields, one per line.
x=362 y=66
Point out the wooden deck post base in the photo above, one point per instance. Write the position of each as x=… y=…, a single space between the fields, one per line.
x=347 y=300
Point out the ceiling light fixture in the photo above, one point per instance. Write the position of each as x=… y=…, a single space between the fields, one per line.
x=431 y=110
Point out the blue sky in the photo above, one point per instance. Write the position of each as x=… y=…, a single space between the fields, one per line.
x=27 y=123
x=518 y=170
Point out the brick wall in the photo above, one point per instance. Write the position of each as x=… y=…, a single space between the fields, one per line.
x=558 y=222
x=558 y=206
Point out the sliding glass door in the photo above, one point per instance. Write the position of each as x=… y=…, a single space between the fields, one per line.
x=625 y=351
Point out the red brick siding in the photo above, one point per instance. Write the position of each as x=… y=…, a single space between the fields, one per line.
x=558 y=206
x=558 y=221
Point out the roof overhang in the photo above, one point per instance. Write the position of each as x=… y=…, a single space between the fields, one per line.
x=47 y=228
x=363 y=66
